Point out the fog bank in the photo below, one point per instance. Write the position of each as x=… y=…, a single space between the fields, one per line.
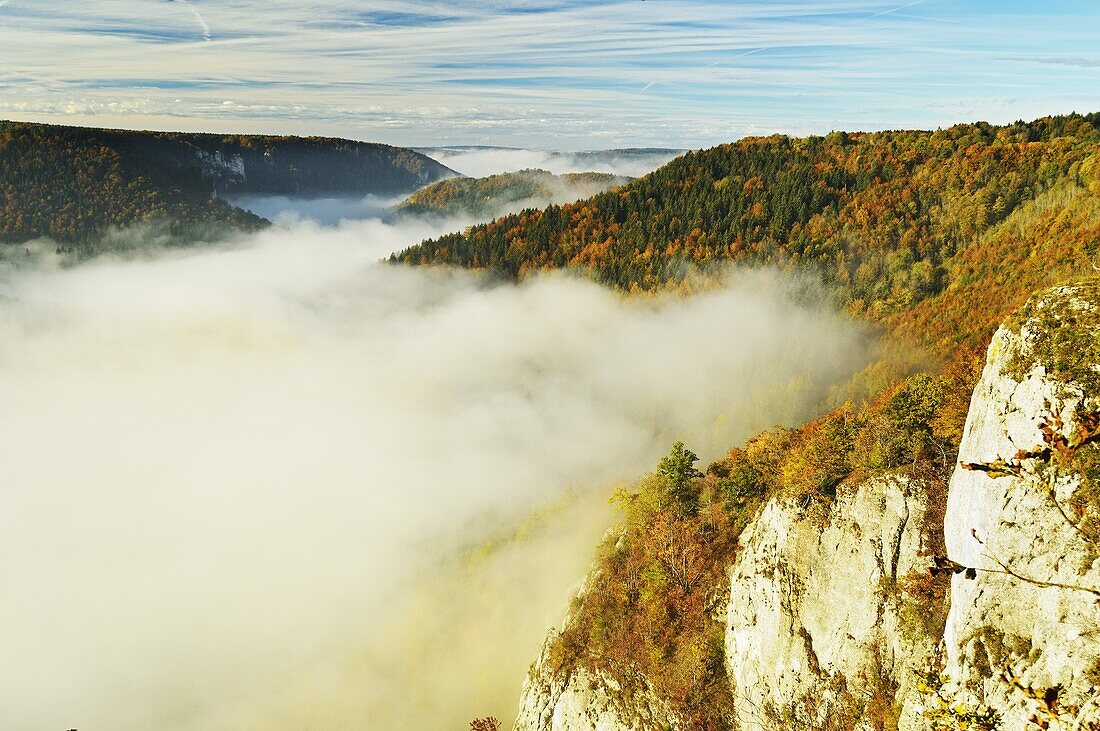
x=276 y=485
x=478 y=162
x=288 y=210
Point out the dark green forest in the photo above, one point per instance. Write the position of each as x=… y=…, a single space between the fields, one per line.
x=937 y=234
x=74 y=184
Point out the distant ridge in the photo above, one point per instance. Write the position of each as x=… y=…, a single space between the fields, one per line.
x=73 y=184
x=496 y=194
x=610 y=151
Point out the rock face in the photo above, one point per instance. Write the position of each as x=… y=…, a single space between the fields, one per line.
x=810 y=618
x=818 y=636
x=812 y=614
x=580 y=701
x=1009 y=510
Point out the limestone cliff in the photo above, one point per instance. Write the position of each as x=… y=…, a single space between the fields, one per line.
x=819 y=631
x=578 y=700
x=1028 y=622
x=813 y=628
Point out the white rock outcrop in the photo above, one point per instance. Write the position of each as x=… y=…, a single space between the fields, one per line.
x=1002 y=515
x=810 y=612
x=812 y=609
x=577 y=700
x=217 y=166
x=815 y=629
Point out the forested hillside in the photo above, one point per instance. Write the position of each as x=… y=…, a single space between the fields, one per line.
x=933 y=236
x=484 y=197
x=938 y=233
x=72 y=184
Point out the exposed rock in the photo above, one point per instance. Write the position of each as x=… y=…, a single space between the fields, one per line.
x=817 y=636
x=577 y=700
x=1004 y=515
x=813 y=624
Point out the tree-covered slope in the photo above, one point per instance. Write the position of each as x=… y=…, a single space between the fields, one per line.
x=935 y=236
x=488 y=196
x=297 y=166
x=939 y=233
x=72 y=184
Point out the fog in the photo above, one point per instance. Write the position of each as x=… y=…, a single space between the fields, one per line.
x=273 y=484
x=478 y=162
x=287 y=210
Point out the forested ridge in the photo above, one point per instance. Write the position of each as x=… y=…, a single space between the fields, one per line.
x=933 y=236
x=907 y=225
x=73 y=184
x=481 y=197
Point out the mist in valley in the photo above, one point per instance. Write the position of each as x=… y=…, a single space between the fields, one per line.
x=478 y=162
x=289 y=210
x=271 y=483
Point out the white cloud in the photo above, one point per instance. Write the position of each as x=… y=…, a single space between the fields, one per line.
x=198 y=18
x=556 y=75
x=481 y=162
x=237 y=478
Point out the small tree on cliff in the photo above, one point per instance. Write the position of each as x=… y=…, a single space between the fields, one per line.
x=679 y=469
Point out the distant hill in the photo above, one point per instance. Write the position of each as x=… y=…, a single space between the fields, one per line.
x=938 y=234
x=497 y=194
x=479 y=161
x=73 y=184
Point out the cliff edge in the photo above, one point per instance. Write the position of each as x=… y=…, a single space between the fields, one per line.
x=832 y=618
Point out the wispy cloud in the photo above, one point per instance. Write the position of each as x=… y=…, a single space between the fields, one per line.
x=198 y=18
x=1085 y=62
x=558 y=73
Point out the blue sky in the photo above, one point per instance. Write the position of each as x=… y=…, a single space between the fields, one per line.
x=559 y=74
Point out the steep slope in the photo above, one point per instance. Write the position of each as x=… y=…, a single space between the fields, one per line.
x=816 y=634
x=301 y=166
x=939 y=234
x=73 y=184
x=497 y=194
x=1023 y=636
x=833 y=609
x=725 y=595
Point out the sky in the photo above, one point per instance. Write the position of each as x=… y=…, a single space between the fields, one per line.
x=560 y=74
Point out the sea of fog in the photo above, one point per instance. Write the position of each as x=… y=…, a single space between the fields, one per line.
x=271 y=483
x=478 y=162
x=472 y=162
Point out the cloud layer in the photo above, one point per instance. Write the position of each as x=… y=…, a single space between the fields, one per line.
x=481 y=162
x=470 y=162
x=271 y=484
x=561 y=74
